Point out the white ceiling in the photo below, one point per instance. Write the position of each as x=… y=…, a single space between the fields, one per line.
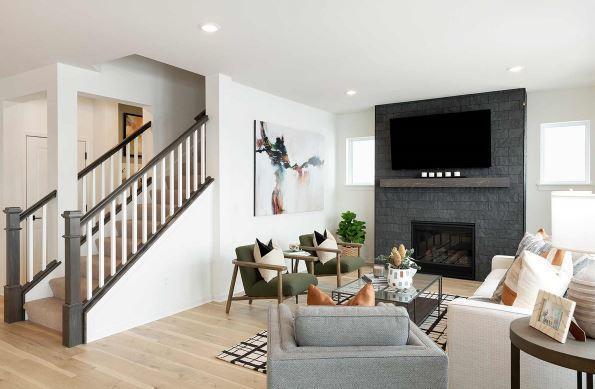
x=312 y=51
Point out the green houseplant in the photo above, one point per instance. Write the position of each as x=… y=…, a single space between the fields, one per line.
x=350 y=229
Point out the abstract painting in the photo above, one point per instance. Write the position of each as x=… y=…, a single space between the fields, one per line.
x=288 y=170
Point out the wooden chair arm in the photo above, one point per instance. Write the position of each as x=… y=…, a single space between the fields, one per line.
x=347 y=244
x=255 y=265
x=308 y=248
x=307 y=258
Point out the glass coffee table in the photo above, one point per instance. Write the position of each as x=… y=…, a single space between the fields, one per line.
x=418 y=301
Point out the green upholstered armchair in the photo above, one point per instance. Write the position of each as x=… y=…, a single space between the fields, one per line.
x=255 y=287
x=339 y=265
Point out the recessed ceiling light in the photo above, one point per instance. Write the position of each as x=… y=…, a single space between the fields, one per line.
x=210 y=27
x=351 y=92
x=516 y=69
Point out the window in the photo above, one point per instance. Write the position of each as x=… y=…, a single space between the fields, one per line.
x=360 y=161
x=565 y=153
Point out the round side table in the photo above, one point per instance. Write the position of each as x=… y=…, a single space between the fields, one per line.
x=574 y=355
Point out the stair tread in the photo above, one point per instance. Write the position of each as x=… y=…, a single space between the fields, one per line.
x=46 y=312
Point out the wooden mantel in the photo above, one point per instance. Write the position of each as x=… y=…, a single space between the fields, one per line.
x=466 y=182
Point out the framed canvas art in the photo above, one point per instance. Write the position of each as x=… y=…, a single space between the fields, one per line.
x=288 y=170
x=131 y=124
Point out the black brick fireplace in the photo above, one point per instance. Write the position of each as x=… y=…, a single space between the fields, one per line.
x=444 y=248
x=497 y=213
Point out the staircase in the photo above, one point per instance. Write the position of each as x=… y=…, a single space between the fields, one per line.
x=114 y=232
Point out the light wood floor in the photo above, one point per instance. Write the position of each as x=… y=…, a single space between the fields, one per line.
x=175 y=352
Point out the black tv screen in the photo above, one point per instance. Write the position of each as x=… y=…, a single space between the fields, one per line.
x=443 y=141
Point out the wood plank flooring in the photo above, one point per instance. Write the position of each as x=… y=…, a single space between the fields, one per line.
x=174 y=352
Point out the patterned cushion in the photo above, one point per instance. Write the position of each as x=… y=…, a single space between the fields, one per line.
x=536 y=243
x=557 y=258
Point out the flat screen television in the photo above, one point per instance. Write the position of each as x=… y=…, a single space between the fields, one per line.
x=444 y=141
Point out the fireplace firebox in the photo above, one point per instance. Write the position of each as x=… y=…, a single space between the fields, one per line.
x=444 y=248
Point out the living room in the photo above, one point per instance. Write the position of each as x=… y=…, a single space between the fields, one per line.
x=314 y=194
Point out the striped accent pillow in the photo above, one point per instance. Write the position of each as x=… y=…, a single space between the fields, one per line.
x=536 y=243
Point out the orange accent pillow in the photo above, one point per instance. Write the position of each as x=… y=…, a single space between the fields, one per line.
x=364 y=298
x=318 y=297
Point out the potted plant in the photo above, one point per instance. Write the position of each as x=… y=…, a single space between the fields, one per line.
x=351 y=230
x=400 y=267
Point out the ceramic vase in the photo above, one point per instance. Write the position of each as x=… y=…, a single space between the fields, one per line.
x=401 y=278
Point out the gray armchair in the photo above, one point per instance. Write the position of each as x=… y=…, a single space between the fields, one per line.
x=380 y=349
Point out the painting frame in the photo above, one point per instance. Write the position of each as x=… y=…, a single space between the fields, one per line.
x=125 y=133
x=287 y=154
x=552 y=315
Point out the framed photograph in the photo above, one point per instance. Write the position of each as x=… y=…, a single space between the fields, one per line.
x=131 y=124
x=552 y=315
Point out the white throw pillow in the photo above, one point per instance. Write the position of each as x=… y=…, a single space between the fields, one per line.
x=268 y=254
x=538 y=274
x=329 y=243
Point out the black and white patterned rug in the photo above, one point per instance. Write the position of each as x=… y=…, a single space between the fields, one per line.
x=252 y=353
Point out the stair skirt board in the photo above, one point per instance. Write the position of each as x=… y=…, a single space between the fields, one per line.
x=47 y=311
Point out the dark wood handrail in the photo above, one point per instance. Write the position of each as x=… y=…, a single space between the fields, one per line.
x=135 y=177
x=32 y=209
x=105 y=156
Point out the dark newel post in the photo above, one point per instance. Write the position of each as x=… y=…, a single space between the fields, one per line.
x=13 y=295
x=72 y=312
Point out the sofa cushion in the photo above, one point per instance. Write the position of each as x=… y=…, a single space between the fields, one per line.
x=489 y=285
x=327 y=241
x=268 y=254
x=324 y=326
x=348 y=264
x=318 y=297
x=293 y=284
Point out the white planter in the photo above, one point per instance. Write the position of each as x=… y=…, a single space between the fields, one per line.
x=401 y=278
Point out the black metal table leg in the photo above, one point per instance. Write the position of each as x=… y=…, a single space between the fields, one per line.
x=515 y=367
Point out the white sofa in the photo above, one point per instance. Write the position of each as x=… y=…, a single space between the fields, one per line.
x=479 y=343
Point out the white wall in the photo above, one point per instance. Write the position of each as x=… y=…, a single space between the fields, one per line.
x=232 y=108
x=546 y=107
x=359 y=199
x=172 y=276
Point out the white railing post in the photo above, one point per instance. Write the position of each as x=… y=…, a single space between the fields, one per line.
x=188 y=189
x=44 y=234
x=172 y=173
x=154 y=201
x=144 y=215
x=124 y=221
x=113 y=239
x=180 y=185
x=135 y=154
x=202 y=155
x=195 y=159
x=134 y=215
x=29 y=248
x=101 y=247
x=163 y=190
x=89 y=259
x=84 y=207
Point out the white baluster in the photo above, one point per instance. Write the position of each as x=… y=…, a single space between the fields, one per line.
x=44 y=234
x=124 y=221
x=180 y=186
x=29 y=248
x=89 y=259
x=101 y=247
x=120 y=165
x=134 y=215
x=111 y=173
x=145 y=203
x=202 y=155
x=154 y=201
x=127 y=156
x=135 y=154
x=113 y=239
x=195 y=159
x=102 y=177
x=188 y=190
x=93 y=189
x=172 y=172
x=163 y=191
x=84 y=207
